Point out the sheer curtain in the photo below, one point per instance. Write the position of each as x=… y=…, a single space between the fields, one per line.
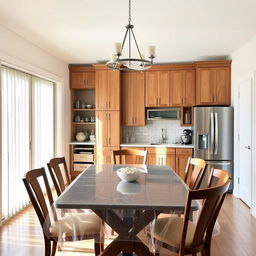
x=27 y=110
x=42 y=121
x=15 y=139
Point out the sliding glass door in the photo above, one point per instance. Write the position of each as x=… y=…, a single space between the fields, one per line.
x=27 y=132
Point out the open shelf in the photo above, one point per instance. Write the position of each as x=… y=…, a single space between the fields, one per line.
x=186 y=116
x=82 y=123
x=83 y=109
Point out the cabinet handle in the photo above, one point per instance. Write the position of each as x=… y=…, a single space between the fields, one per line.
x=212 y=98
x=107 y=117
x=109 y=104
x=109 y=141
x=156 y=101
x=84 y=82
x=159 y=101
x=106 y=104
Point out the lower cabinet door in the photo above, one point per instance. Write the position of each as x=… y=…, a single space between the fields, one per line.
x=105 y=156
x=170 y=161
x=153 y=159
x=181 y=163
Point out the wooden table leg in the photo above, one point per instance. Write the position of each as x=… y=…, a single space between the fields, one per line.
x=127 y=229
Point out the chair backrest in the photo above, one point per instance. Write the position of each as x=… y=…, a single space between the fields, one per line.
x=35 y=189
x=194 y=172
x=213 y=198
x=130 y=156
x=61 y=179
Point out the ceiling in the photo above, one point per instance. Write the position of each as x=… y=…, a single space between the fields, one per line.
x=84 y=31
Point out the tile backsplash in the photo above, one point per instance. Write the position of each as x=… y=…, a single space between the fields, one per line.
x=152 y=132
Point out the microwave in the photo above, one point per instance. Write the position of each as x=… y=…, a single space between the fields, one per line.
x=163 y=114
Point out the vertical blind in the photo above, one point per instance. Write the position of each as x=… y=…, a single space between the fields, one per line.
x=27 y=133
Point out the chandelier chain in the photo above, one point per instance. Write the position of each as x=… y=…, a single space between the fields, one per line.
x=129 y=12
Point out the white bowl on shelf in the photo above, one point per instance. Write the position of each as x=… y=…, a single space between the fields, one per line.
x=128 y=174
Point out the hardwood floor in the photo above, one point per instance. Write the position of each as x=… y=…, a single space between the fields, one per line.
x=22 y=235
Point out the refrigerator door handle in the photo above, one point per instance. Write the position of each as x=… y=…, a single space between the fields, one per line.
x=216 y=136
x=212 y=133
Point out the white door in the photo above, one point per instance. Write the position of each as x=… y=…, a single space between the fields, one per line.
x=245 y=141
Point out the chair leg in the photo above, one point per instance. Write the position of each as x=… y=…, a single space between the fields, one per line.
x=102 y=240
x=47 y=247
x=54 y=247
x=97 y=248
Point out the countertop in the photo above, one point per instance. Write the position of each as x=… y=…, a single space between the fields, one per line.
x=148 y=145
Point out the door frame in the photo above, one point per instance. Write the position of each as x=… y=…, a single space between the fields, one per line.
x=252 y=77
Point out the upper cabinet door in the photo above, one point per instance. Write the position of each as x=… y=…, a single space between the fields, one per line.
x=113 y=90
x=127 y=98
x=114 y=128
x=139 y=98
x=176 y=88
x=152 y=89
x=163 y=89
x=77 y=80
x=102 y=99
x=222 y=86
x=89 y=79
x=189 y=89
x=204 y=86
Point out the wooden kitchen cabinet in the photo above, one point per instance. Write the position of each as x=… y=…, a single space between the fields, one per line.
x=107 y=90
x=213 y=86
x=107 y=134
x=161 y=156
x=82 y=77
x=133 y=99
x=129 y=159
x=108 y=128
x=157 y=89
x=182 y=155
x=182 y=88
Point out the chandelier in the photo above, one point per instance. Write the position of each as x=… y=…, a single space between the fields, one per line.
x=129 y=63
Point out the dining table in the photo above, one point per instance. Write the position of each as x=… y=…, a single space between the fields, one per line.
x=127 y=207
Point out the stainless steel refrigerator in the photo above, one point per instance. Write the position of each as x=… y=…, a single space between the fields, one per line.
x=213 y=137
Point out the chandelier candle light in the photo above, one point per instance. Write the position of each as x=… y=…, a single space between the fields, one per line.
x=140 y=64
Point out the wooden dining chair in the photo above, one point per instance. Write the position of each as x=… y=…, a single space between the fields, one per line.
x=194 y=172
x=85 y=225
x=130 y=156
x=184 y=237
x=59 y=174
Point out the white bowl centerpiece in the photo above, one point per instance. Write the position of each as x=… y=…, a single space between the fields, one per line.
x=128 y=174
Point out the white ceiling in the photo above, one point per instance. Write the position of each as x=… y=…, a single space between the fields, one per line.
x=84 y=31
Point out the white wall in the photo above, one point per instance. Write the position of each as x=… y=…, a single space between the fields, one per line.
x=243 y=65
x=17 y=51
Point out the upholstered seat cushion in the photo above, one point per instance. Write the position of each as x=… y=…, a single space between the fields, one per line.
x=169 y=230
x=76 y=224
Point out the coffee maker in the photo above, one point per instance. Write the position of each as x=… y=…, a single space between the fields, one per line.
x=186 y=137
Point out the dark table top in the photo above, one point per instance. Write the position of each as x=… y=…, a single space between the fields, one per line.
x=99 y=187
